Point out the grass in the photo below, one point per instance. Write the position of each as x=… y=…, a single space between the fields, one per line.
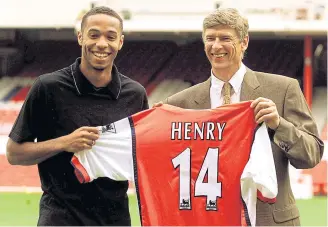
x=21 y=209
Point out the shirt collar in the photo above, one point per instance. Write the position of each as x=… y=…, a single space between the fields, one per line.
x=83 y=86
x=235 y=81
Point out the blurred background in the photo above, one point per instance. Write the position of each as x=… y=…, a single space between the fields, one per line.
x=163 y=50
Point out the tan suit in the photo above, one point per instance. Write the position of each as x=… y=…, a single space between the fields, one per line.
x=295 y=140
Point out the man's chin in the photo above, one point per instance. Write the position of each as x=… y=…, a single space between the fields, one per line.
x=99 y=67
x=220 y=65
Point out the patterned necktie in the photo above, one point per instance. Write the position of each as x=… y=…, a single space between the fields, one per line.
x=227 y=91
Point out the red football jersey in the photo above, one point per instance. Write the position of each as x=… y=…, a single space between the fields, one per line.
x=187 y=164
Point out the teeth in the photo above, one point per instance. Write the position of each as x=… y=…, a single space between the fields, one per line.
x=219 y=55
x=100 y=55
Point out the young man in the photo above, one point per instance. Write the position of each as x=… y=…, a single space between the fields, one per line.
x=278 y=101
x=62 y=111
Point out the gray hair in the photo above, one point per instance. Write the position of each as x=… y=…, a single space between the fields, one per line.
x=229 y=17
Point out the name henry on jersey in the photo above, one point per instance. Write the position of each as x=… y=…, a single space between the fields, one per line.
x=194 y=130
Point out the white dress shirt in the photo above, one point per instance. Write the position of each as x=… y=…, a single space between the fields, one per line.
x=217 y=85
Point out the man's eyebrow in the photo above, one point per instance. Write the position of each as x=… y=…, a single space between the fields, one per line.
x=93 y=30
x=111 y=31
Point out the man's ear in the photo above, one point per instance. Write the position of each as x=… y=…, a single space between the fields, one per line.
x=79 y=37
x=121 y=42
x=244 y=43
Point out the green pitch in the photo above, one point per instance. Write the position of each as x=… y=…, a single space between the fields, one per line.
x=21 y=209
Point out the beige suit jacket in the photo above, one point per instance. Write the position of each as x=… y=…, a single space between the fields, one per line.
x=295 y=140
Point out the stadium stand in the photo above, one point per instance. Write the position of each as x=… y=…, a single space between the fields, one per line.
x=11 y=60
x=50 y=56
x=141 y=60
x=320 y=63
x=15 y=88
x=151 y=62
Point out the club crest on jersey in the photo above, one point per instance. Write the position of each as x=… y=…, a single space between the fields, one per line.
x=185 y=204
x=108 y=128
x=211 y=205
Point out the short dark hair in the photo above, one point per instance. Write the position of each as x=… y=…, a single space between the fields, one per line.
x=101 y=10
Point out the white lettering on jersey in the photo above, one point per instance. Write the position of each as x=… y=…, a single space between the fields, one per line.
x=205 y=130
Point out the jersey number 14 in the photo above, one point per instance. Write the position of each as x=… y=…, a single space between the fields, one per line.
x=211 y=189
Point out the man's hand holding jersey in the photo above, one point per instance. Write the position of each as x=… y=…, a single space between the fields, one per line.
x=81 y=139
x=265 y=110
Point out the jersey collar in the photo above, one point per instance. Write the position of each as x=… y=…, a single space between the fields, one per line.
x=83 y=86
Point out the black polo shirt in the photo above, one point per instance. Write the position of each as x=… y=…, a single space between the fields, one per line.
x=57 y=104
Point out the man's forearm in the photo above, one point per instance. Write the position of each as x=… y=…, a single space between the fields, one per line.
x=303 y=148
x=31 y=153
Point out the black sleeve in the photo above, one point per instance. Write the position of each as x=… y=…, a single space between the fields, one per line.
x=29 y=122
x=145 y=104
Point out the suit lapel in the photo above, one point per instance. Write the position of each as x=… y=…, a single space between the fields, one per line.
x=250 y=88
x=202 y=97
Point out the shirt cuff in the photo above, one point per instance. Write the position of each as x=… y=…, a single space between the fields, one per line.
x=283 y=135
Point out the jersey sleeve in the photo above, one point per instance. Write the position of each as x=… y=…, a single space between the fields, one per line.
x=111 y=156
x=259 y=178
x=31 y=119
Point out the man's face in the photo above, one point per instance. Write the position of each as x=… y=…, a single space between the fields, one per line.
x=223 y=48
x=101 y=39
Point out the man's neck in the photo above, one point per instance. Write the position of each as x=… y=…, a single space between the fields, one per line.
x=98 y=78
x=225 y=74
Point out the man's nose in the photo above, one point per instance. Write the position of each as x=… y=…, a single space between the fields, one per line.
x=217 y=44
x=102 y=42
